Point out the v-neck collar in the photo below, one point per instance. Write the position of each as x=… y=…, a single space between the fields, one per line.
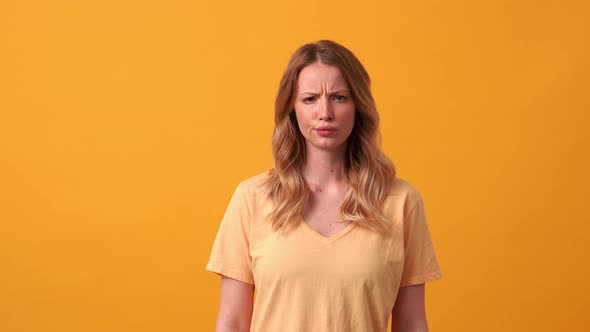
x=325 y=239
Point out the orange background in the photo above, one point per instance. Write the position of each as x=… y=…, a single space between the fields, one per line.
x=126 y=125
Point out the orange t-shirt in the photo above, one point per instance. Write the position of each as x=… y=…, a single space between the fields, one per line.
x=307 y=282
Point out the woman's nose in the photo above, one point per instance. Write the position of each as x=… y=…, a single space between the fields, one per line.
x=326 y=112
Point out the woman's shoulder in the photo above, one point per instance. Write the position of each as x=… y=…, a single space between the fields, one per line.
x=403 y=191
x=399 y=187
x=255 y=183
x=402 y=186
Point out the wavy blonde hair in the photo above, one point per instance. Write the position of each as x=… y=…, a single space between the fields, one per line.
x=369 y=173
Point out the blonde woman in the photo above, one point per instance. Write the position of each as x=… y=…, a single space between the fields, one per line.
x=330 y=238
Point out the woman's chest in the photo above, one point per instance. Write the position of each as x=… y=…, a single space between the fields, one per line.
x=352 y=256
x=322 y=214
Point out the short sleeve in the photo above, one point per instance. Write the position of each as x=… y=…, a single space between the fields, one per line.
x=230 y=255
x=420 y=262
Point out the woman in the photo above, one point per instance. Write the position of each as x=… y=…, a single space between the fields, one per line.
x=330 y=238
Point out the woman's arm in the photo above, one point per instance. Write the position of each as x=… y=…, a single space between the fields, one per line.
x=409 y=313
x=235 y=308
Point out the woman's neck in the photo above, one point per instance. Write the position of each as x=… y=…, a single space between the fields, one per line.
x=324 y=169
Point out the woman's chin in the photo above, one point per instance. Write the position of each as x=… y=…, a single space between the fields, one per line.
x=326 y=146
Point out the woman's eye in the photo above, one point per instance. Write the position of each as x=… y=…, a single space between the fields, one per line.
x=309 y=100
x=340 y=98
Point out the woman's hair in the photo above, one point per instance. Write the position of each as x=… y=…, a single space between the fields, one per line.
x=368 y=172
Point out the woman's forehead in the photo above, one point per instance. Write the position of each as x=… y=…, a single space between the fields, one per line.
x=318 y=77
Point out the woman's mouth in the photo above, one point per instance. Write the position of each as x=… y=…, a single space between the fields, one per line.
x=325 y=131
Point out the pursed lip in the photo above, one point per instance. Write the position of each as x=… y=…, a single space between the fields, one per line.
x=325 y=128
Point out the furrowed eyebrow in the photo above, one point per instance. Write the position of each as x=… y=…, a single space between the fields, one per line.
x=340 y=91
x=317 y=93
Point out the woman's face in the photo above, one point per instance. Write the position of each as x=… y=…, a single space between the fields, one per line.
x=324 y=107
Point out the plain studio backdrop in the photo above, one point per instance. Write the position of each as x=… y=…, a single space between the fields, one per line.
x=126 y=125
